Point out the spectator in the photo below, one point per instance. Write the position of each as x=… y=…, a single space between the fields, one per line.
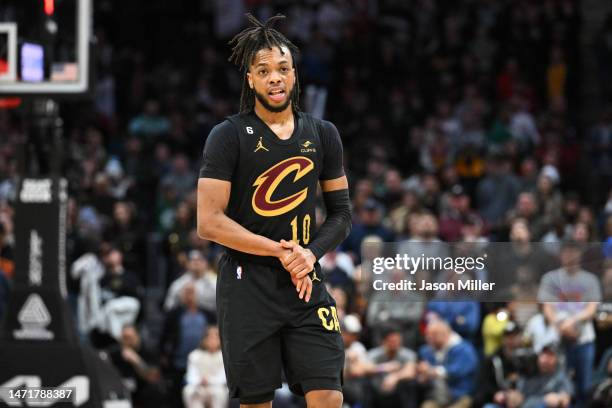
x=139 y=369
x=356 y=363
x=205 y=378
x=394 y=365
x=497 y=191
x=493 y=328
x=150 y=123
x=501 y=371
x=181 y=176
x=204 y=279
x=571 y=295
x=121 y=298
x=125 y=233
x=118 y=281
x=456 y=216
x=181 y=334
x=447 y=367
x=550 y=388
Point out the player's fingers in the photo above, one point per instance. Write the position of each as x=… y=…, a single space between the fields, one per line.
x=309 y=290
x=303 y=288
x=299 y=285
x=288 y=259
x=296 y=263
x=302 y=272
x=299 y=268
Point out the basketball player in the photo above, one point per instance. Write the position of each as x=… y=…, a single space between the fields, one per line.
x=256 y=197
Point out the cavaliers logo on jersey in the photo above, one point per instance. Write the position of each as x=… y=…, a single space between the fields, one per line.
x=269 y=180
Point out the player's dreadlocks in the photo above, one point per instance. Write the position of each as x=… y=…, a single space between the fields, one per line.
x=247 y=43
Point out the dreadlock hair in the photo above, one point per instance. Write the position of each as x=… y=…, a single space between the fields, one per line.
x=247 y=43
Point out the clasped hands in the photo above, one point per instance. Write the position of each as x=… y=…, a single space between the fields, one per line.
x=299 y=262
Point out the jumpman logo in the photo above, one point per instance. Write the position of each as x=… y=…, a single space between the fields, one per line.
x=260 y=146
x=314 y=276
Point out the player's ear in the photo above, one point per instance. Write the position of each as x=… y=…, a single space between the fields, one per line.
x=248 y=74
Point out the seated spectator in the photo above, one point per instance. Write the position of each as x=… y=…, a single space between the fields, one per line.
x=120 y=298
x=571 y=295
x=391 y=367
x=550 y=388
x=139 y=369
x=117 y=281
x=206 y=383
x=181 y=334
x=355 y=361
x=501 y=371
x=447 y=368
x=199 y=273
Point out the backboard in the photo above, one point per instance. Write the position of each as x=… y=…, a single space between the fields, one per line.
x=45 y=47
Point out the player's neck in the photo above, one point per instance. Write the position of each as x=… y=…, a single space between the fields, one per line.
x=273 y=118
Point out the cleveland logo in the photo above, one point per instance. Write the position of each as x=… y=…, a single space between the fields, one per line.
x=268 y=182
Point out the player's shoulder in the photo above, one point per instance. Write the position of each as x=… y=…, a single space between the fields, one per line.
x=326 y=128
x=227 y=129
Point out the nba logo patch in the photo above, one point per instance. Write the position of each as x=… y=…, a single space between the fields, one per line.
x=239 y=272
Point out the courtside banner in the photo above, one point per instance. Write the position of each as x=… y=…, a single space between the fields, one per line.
x=487 y=271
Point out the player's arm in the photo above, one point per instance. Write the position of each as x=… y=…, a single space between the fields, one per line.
x=214 y=225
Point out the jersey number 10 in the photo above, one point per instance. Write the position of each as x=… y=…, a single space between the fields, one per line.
x=305 y=229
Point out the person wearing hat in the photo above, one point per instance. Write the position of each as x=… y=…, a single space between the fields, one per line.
x=355 y=360
x=551 y=387
x=500 y=371
x=456 y=214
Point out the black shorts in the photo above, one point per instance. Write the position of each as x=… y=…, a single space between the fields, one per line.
x=266 y=328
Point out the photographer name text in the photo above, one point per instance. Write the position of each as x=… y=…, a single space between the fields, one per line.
x=471 y=285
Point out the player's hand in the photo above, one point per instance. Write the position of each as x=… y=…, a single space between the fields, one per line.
x=300 y=262
x=303 y=287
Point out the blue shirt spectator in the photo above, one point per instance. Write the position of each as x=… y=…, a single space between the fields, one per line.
x=447 y=362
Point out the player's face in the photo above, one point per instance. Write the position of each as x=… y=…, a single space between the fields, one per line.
x=272 y=77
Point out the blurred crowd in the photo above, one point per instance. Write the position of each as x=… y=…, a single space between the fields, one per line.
x=460 y=122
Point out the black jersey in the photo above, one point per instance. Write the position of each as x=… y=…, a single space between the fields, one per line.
x=274 y=181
